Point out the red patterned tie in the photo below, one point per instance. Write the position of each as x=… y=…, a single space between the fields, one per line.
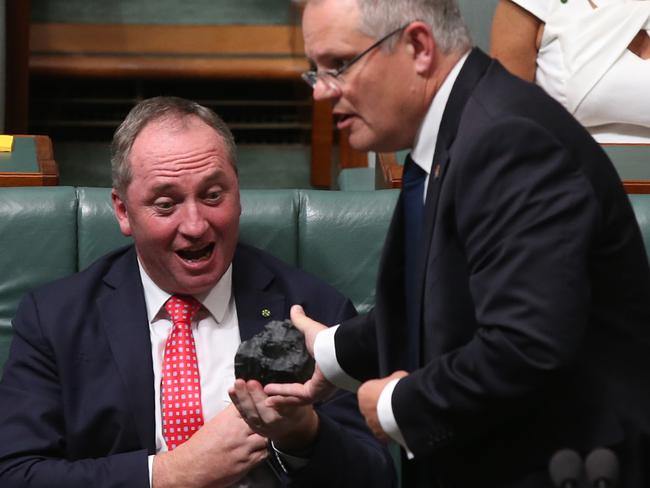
x=182 y=414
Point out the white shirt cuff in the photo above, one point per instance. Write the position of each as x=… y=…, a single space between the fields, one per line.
x=150 y=460
x=387 y=418
x=325 y=355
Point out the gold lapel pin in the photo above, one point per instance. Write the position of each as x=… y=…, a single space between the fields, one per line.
x=266 y=312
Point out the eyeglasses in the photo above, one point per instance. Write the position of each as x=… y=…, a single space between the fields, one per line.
x=332 y=77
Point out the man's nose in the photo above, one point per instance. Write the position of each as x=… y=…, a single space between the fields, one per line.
x=194 y=223
x=325 y=91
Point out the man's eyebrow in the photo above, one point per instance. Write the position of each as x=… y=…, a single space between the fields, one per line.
x=162 y=188
x=215 y=175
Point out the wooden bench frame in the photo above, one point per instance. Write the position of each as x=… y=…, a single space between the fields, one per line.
x=388 y=174
x=186 y=51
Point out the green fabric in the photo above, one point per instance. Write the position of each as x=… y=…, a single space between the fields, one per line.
x=38 y=241
x=50 y=232
x=356 y=179
x=641 y=206
x=260 y=166
x=22 y=158
x=341 y=236
x=269 y=221
x=338 y=236
x=97 y=229
x=478 y=16
x=631 y=162
x=165 y=11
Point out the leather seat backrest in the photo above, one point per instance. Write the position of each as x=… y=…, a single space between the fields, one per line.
x=38 y=241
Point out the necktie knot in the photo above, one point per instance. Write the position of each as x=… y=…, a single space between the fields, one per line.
x=413 y=175
x=182 y=309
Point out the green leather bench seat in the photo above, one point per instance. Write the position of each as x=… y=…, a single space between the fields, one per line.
x=50 y=232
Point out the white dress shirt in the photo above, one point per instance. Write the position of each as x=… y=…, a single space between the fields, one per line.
x=324 y=347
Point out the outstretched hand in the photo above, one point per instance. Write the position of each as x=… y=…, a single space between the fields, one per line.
x=289 y=427
x=317 y=388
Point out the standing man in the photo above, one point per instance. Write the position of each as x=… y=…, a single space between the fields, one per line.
x=119 y=375
x=513 y=298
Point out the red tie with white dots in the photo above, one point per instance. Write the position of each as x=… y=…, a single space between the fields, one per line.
x=182 y=414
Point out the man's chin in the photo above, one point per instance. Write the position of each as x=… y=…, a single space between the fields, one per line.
x=196 y=285
x=361 y=142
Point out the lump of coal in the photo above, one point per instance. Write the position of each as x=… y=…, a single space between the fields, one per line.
x=275 y=355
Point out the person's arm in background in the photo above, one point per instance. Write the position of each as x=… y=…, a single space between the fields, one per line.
x=516 y=34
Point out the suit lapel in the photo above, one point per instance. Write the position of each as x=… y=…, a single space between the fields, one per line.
x=124 y=317
x=470 y=74
x=256 y=305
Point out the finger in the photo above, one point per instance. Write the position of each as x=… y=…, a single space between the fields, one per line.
x=246 y=404
x=258 y=441
x=306 y=325
x=280 y=402
x=267 y=413
x=234 y=398
x=286 y=389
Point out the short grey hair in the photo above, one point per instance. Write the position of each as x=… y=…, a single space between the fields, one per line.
x=379 y=17
x=158 y=108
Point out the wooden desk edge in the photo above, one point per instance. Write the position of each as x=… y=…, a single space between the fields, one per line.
x=49 y=171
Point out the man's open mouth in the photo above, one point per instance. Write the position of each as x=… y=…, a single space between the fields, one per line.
x=193 y=255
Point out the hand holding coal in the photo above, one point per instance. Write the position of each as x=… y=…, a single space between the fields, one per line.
x=276 y=355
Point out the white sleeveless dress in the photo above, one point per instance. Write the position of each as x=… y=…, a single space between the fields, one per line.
x=584 y=63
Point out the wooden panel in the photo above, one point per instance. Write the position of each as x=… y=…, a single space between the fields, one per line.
x=388 y=172
x=128 y=50
x=321 y=144
x=637 y=186
x=167 y=67
x=632 y=162
x=350 y=158
x=48 y=173
x=165 y=11
x=219 y=40
x=17 y=82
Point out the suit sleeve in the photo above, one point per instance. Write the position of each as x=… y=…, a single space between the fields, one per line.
x=524 y=216
x=33 y=436
x=345 y=454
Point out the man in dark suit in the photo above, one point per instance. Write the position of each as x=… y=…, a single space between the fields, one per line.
x=104 y=384
x=512 y=316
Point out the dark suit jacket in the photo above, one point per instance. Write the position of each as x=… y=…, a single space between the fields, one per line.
x=534 y=296
x=77 y=393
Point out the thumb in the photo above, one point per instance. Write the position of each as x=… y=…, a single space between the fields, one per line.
x=306 y=325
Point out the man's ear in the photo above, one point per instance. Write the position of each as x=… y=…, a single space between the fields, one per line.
x=421 y=46
x=121 y=214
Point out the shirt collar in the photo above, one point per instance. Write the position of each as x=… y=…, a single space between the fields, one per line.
x=427 y=135
x=215 y=301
